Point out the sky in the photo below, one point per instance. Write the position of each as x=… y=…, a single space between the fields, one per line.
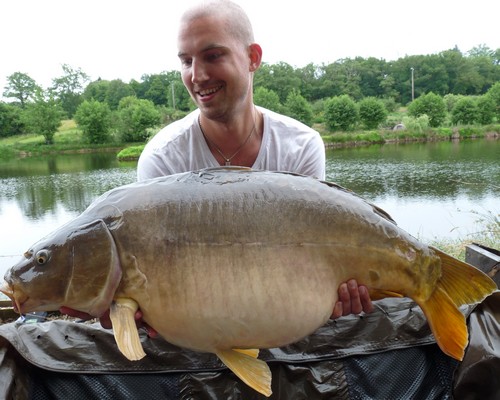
x=123 y=39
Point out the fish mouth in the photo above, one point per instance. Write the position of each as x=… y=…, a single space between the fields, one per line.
x=18 y=298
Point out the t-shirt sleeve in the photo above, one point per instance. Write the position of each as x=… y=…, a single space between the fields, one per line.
x=312 y=162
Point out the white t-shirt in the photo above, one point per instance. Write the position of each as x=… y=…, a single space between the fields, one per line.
x=287 y=145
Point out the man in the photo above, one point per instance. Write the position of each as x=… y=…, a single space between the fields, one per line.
x=218 y=59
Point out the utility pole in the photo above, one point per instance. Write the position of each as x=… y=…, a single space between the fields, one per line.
x=173 y=95
x=412 y=85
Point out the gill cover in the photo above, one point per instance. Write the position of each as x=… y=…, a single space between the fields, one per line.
x=96 y=271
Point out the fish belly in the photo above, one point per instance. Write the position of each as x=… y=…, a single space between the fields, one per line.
x=240 y=296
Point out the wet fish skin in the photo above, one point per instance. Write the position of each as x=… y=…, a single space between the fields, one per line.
x=228 y=259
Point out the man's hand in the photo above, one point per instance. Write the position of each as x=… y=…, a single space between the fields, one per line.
x=353 y=299
x=106 y=321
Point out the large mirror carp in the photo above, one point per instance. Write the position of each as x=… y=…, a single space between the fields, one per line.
x=230 y=261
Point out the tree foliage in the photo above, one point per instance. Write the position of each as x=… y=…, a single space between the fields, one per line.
x=431 y=105
x=11 y=122
x=341 y=113
x=43 y=117
x=372 y=112
x=494 y=94
x=22 y=87
x=94 y=119
x=464 y=112
x=485 y=110
x=69 y=87
x=297 y=107
x=136 y=116
x=267 y=98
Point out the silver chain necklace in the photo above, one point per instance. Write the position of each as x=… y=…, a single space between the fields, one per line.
x=227 y=159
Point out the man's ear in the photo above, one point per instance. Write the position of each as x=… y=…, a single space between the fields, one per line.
x=255 y=53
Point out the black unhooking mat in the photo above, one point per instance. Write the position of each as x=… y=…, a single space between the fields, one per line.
x=388 y=354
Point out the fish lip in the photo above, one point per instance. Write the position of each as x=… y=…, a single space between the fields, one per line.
x=6 y=289
x=18 y=298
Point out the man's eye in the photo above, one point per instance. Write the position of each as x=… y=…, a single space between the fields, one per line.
x=213 y=56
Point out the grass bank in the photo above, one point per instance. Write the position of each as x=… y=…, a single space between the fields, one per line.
x=70 y=139
x=487 y=234
x=360 y=138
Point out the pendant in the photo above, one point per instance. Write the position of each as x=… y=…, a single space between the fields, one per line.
x=228 y=162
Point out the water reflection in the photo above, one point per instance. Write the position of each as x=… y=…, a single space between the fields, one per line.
x=37 y=195
x=440 y=170
x=433 y=190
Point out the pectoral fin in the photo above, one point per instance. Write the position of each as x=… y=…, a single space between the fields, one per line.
x=125 y=331
x=254 y=372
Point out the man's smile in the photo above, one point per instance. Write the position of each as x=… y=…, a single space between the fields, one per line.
x=208 y=92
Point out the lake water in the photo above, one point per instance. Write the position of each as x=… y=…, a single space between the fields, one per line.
x=433 y=190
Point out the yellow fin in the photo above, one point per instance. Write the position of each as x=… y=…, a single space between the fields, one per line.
x=249 y=352
x=464 y=283
x=447 y=323
x=377 y=294
x=459 y=284
x=124 y=328
x=252 y=371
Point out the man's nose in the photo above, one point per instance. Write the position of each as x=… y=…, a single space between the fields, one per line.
x=199 y=72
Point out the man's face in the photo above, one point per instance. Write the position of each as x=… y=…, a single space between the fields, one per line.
x=216 y=68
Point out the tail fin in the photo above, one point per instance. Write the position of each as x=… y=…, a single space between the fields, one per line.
x=460 y=284
x=464 y=283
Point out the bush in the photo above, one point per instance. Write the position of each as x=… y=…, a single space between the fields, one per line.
x=464 y=112
x=450 y=100
x=11 y=122
x=43 y=117
x=268 y=99
x=494 y=93
x=297 y=107
x=419 y=124
x=431 y=105
x=341 y=113
x=485 y=110
x=372 y=112
x=94 y=119
x=135 y=117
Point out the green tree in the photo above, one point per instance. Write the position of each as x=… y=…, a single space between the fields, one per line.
x=485 y=109
x=268 y=99
x=280 y=78
x=297 y=107
x=372 y=112
x=450 y=100
x=22 y=87
x=494 y=93
x=341 y=113
x=69 y=87
x=11 y=122
x=94 y=119
x=97 y=90
x=136 y=116
x=431 y=105
x=464 y=112
x=118 y=90
x=43 y=117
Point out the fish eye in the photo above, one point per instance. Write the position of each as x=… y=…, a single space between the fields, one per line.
x=42 y=257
